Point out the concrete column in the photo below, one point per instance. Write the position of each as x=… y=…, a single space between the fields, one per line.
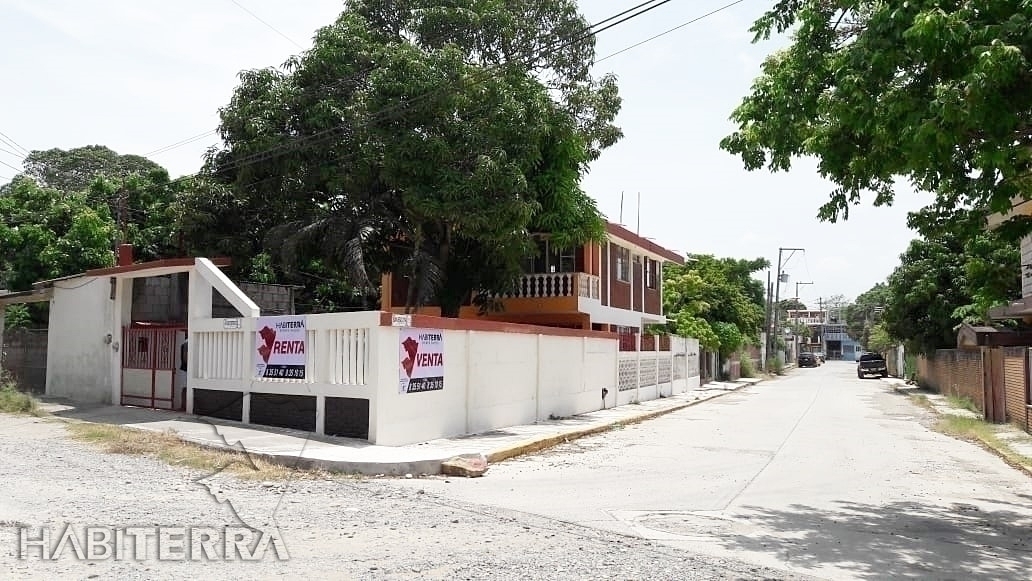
x=320 y=414
x=245 y=413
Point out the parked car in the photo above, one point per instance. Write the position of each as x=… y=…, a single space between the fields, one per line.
x=807 y=360
x=871 y=364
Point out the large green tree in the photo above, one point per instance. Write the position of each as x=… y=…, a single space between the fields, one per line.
x=708 y=294
x=46 y=233
x=944 y=281
x=74 y=169
x=865 y=312
x=938 y=93
x=417 y=138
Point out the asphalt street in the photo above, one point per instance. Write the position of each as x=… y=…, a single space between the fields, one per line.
x=819 y=473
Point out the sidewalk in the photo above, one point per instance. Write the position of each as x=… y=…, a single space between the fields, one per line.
x=307 y=450
x=1008 y=441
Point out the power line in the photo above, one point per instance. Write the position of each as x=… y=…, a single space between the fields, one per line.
x=17 y=169
x=271 y=27
x=330 y=133
x=181 y=143
x=643 y=5
x=18 y=155
x=12 y=143
x=666 y=32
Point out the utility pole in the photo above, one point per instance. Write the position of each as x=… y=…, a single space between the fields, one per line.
x=797 y=288
x=782 y=277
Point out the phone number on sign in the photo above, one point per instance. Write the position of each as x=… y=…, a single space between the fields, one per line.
x=417 y=385
x=285 y=373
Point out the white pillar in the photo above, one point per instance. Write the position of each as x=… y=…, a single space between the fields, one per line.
x=320 y=414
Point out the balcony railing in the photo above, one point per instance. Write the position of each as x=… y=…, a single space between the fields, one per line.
x=556 y=284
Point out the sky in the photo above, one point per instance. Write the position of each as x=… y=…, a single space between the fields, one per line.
x=139 y=77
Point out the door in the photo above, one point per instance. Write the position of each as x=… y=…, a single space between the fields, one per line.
x=993 y=385
x=150 y=362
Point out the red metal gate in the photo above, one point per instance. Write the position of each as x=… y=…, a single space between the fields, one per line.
x=150 y=361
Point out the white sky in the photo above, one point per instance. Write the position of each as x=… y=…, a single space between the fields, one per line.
x=139 y=75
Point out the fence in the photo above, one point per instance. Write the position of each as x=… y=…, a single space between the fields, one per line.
x=669 y=365
x=496 y=375
x=954 y=372
x=24 y=356
x=995 y=379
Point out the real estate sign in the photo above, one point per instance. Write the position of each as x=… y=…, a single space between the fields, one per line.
x=281 y=347
x=421 y=359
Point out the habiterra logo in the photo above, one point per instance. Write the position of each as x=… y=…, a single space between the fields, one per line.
x=417 y=359
x=270 y=346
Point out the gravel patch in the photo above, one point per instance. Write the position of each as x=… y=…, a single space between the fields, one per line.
x=331 y=527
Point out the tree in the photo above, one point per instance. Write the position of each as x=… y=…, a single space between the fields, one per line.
x=865 y=312
x=424 y=140
x=75 y=169
x=945 y=281
x=705 y=296
x=937 y=93
x=46 y=233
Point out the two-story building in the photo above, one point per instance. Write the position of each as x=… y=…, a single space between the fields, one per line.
x=827 y=335
x=615 y=286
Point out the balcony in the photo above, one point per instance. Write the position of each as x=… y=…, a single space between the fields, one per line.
x=555 y=285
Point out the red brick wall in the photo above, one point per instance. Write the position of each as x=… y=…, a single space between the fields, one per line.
x=954 y=372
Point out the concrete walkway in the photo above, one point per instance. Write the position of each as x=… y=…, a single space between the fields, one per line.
x=1012 y=436
x=308 y=450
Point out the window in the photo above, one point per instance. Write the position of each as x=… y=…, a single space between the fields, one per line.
x=623 y=263
x=651 y=273
x=550 y=259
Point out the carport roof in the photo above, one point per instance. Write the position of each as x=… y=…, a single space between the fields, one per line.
x=138 y=270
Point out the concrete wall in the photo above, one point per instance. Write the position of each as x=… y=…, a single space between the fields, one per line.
x=164 y=299
x=272 y=299
x=494 y=379
x=81 y=339
x=24 y=356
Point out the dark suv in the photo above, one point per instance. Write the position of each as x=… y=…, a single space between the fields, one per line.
x=871 y=364
x=807 y=360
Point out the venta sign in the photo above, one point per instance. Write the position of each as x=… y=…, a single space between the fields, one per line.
x=421 y=358
x=281 y=347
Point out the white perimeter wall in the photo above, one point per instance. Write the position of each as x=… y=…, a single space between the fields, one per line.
x=79 y=357
x=493 y=380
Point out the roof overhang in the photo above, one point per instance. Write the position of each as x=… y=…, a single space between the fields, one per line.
x=642 y=244
x=973 y=337
x=1019 y=207
x=39 y=295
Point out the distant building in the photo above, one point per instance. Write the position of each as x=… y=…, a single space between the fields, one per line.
x=827 y=333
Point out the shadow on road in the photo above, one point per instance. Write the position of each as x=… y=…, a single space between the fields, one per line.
x=903 y=539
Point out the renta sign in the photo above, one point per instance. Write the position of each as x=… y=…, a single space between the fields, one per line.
x=281 y=347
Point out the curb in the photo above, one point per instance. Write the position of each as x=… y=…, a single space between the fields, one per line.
x=431 y=466
x=539 y=444
x=1027 y=470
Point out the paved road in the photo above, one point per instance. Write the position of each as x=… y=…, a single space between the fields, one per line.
x=819 y=473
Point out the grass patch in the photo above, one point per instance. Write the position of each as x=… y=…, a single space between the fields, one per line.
x=963 y=402
x=921 y=400
x=983 y=433
x=168 y=447
x=13 y=401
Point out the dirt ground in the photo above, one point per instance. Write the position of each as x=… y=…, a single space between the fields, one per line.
x=330 y=527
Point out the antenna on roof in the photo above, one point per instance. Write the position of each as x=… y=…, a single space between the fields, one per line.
x=621 y=209
x=638 y=229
